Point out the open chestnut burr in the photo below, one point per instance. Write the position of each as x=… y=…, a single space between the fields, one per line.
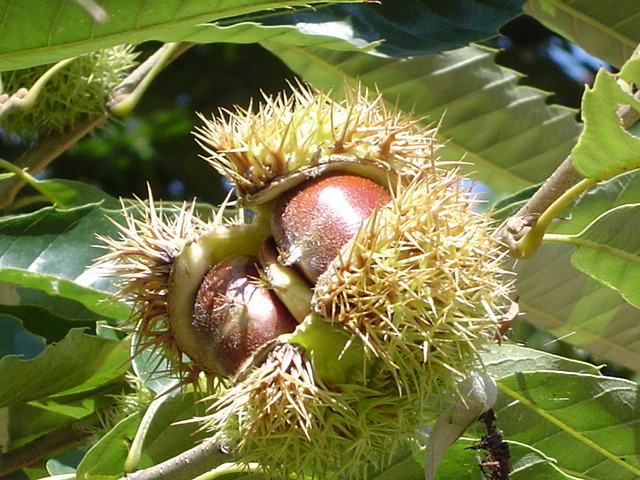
x=344 y=309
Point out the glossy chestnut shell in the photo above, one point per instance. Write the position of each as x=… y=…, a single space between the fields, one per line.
x=313 y=221
x=237 y=314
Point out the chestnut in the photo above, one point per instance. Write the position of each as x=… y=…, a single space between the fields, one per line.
x=235 y=315
x=313 y=221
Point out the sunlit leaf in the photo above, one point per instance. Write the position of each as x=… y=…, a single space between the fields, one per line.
x=65 y=464
x=557 y=298
x=152 y=368
x=59 y=29
x=607 y=30
x=508 y=135
x=400 y=29
x=605 y=148
x=416 y=27
x=69 y=193
x=34 y=419
x=569 y=304
x=51 y=249
x=107 y=457
x=64 y=309
x=407 y=466
x=609 y=250
x=165 y=439
x=588 y=424
x=503 y=360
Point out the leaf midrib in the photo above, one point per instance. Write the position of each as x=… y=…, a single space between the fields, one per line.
x=566 y=428
x=193 y=21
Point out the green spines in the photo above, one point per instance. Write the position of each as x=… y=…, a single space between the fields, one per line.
x=284 y=418
x=288 y=133
x=57 y=96
x=421 y=284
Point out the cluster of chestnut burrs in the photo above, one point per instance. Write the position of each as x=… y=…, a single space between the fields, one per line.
x=341 y=298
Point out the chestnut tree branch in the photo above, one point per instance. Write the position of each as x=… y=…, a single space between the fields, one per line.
x=121 y=100
x=518 y=228
x=49 y=443
x=188 y=465
x=47 y=149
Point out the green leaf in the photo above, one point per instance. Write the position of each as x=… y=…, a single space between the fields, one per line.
x=410 y=28
x=165 y=439
x=605 y=148
x=152 y=368
x=65 y=464
x=59 y=29
x=106 y=458
x=508 y=135
x=61 y=307
x=607 y=30
x=79 y=362
x=407 y=465
x=40 y=321
x=503 y=360
x=588 y=424
x=609 y=251
x=69 y=193
x=417 y=27
x=51 y=249
x=569 y=304
x=28 y=421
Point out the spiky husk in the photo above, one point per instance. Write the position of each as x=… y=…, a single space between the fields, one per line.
x=289 y=132
x=421 y=285
x=421 y=288
x=141 y=259
x=77 y=90
x=283 y=417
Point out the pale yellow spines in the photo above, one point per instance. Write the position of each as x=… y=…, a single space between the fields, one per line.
x=421 y=284
x=252 y=148
x=141 y=258
x=283 y=417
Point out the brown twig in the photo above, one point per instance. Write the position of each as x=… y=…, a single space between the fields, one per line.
x=49 y=443
x=47 y=149
x=188 y=465
x=518 y=225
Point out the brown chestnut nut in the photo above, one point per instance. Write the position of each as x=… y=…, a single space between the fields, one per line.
x=237 y=314
x=313 y=221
